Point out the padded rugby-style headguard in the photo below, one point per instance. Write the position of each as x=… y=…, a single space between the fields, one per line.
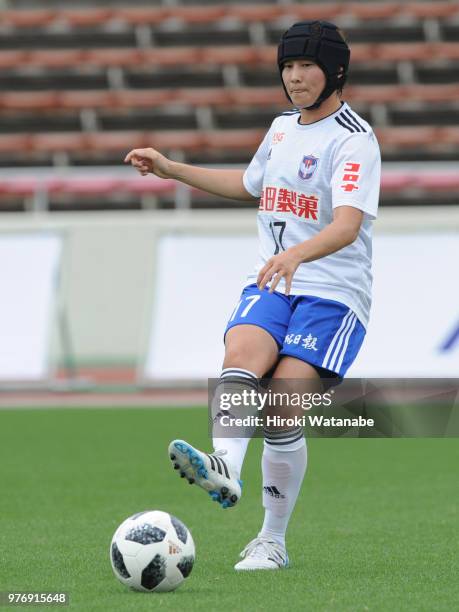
x=322 y=43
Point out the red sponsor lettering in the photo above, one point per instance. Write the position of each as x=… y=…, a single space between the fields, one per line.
x=286 y=201
x=349 y=187
x=308 y=206
x=351 y=176
x=351 y=167
x=270 y=198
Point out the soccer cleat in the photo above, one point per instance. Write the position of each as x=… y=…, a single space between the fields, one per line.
x=262 y=554
x=210 y=472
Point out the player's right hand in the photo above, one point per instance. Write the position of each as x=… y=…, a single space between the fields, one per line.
x=149 y=160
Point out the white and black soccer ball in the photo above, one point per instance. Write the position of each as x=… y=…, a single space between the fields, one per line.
x=152 y=551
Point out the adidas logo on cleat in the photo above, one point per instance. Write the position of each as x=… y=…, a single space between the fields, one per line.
x=216 y=464
x=273 y=492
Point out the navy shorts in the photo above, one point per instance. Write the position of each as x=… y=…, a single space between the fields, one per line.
x=323 y=333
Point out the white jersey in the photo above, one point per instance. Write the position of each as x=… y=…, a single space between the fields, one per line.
x=301 y=173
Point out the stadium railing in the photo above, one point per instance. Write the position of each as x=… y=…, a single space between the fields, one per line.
x=40 y=190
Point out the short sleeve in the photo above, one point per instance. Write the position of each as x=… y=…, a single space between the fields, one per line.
x=356 y=174
x=253 y=176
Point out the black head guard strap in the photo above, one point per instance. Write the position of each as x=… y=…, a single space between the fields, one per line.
x=322 y=43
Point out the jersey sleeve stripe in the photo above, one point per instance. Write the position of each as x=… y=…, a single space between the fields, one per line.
x=354 y=119
x=338 y=120
x=350 y=122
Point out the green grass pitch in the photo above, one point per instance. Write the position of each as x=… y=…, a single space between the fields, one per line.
x=376 y=526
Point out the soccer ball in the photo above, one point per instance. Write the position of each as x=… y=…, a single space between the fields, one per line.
x=152 y=551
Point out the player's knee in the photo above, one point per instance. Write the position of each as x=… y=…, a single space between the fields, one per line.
x=240 y=356
x=252 y=349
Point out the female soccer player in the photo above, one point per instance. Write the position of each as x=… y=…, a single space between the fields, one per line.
x=305 y=308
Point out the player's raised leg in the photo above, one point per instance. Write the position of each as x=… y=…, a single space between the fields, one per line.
x=250 y=352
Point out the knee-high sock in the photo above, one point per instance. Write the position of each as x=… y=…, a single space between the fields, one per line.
x=234 y=440
x=284 y=465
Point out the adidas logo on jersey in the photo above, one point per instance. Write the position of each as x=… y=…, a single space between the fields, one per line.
x=274 y=492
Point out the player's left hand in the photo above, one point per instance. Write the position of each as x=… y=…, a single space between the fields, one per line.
x=280 y=266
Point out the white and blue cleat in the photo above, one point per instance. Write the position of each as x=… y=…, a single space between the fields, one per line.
x=208 y=471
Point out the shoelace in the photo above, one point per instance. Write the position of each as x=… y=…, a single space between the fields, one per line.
x=259 y=548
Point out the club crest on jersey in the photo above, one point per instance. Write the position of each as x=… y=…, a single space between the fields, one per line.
x=308 y=166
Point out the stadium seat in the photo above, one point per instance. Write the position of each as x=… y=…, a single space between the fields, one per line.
x=258 y=13
x=326 y=10
x=85 y=17
x=373 y=10
x=395 y=182
x=402 y=52
x=180 y=140
x=233 y=139
x=84 y=99
x=197 y=14
x=140 y=15
x=440 y=181
x=29 y=100
x=88 y=186
x=430 y=137
x=147 y=184
x=200 y=96
x=62 y=58
x=13 y=59
x=63 y=141
x=14 y=143
x=116 y=141
x=429 y=10
x=432 y=93
x=122 y=58
x=27 y=18
x=229 y=55
x=24 y=186
x=172 y=56
x=249 y=96
x=139 y=98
